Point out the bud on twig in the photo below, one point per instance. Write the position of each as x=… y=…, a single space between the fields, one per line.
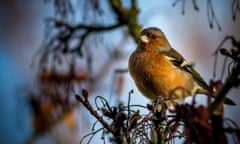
x=85 y=93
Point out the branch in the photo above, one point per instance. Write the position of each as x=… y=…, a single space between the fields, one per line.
x=89 y=107
x=235 y=8
x=233 y=79
x=128 y=17
x=90 y=28
x=195 y=6
x=212 y=15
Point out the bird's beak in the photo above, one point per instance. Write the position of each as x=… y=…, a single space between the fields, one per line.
x=144 y=39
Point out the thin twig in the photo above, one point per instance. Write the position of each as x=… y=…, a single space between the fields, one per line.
x=231 y=81
x=95 y=114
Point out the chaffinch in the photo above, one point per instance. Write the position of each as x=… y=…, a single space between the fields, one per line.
x=157 y=69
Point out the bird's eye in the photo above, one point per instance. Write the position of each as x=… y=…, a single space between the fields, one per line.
x=153 y=37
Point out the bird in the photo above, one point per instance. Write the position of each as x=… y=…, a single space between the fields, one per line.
x=159 y=70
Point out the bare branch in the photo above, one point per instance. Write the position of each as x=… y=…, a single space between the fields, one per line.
x=89 y=107
x=127 y=16
x=211 y=15
x=233 y=79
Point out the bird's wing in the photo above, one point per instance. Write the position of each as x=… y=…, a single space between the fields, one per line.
x=178 y=61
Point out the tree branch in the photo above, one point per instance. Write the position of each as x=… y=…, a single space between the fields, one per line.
x=89 y=107
x=233 y=79
x=127 y=17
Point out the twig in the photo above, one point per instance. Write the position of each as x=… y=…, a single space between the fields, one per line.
x=90 y=134
x=211 y=15
x=89 y=107
x=230 y=83
x=235 y=8
x=98 y=28
x=233 y=78
x=195 y=6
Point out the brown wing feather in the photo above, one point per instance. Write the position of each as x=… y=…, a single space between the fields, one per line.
x=178 y=60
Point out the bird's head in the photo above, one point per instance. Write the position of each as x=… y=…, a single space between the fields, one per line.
x=153 y=38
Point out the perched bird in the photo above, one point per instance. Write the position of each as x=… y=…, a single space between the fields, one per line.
x=159 y=70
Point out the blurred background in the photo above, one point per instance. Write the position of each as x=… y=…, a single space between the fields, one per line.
x=39 y=76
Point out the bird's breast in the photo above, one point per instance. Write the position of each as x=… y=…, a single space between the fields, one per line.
x=155 y=75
